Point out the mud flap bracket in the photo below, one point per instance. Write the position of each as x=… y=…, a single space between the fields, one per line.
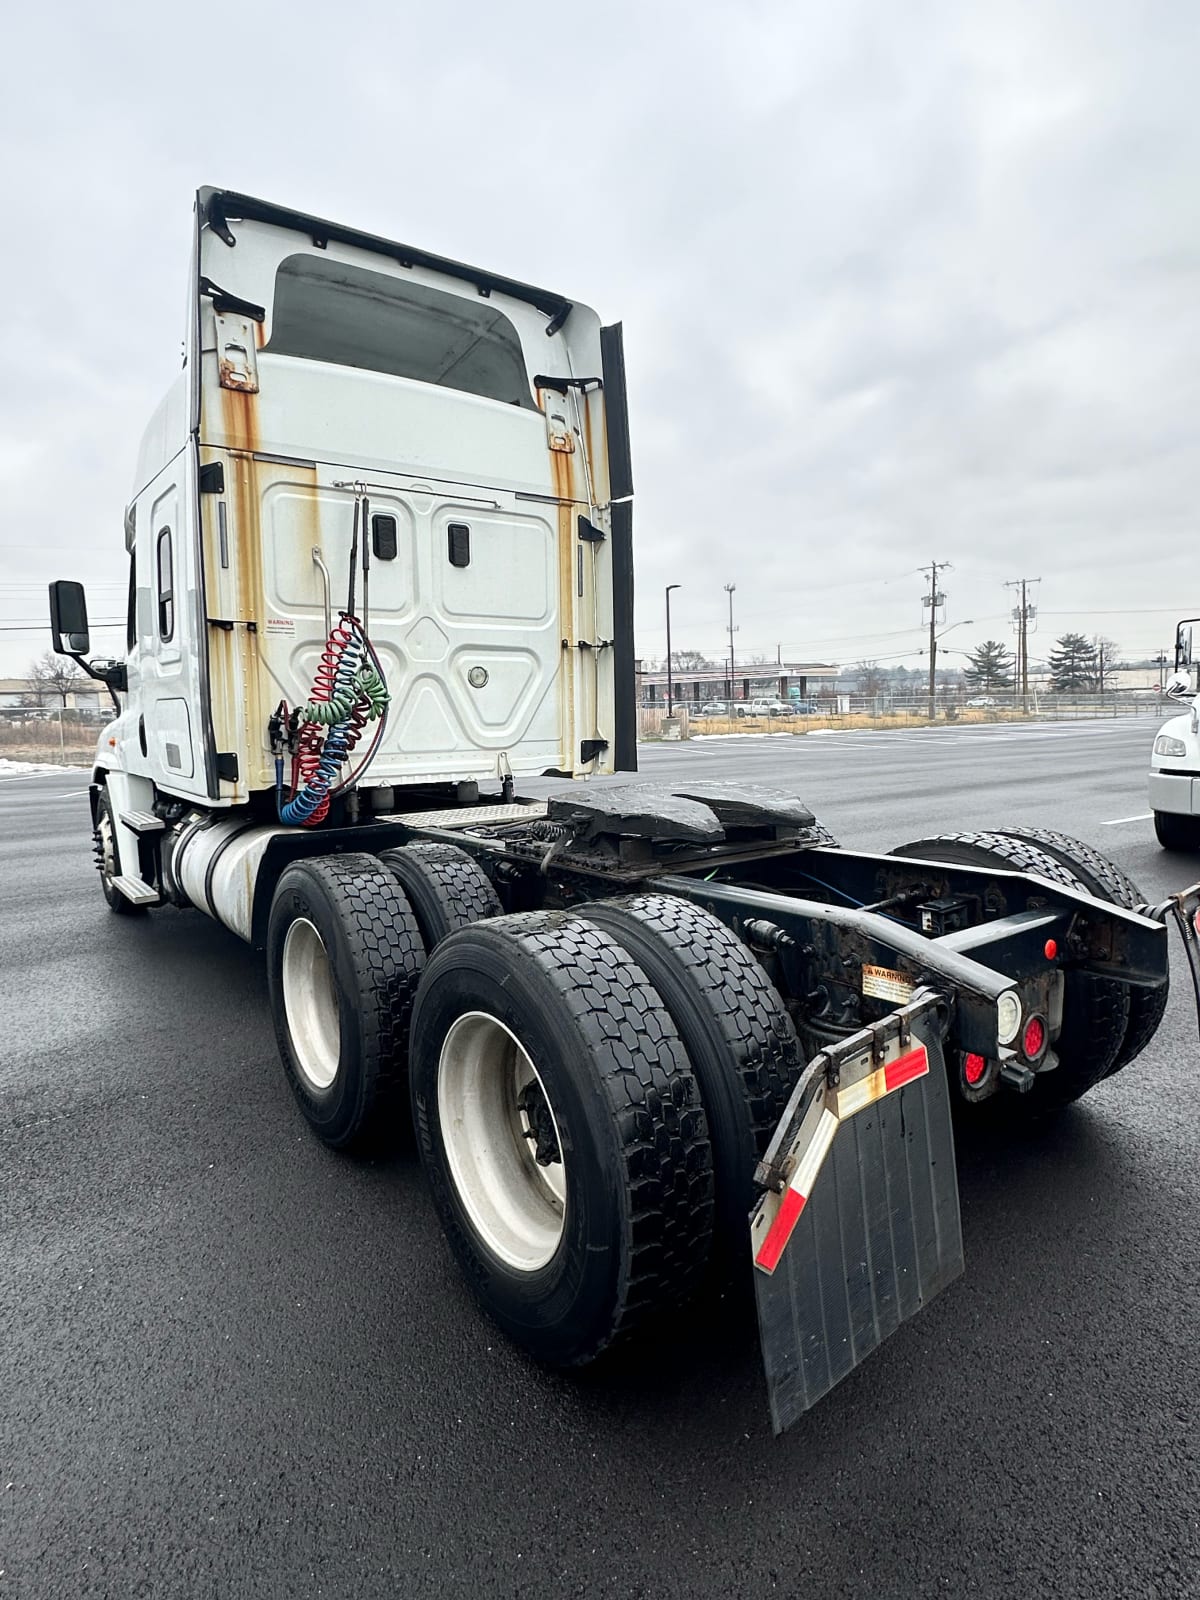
x=1185 y=909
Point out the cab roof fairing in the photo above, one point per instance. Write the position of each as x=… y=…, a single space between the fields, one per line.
x=217 y=208
x=247 y=274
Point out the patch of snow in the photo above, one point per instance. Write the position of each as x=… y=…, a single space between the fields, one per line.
x=32 y=769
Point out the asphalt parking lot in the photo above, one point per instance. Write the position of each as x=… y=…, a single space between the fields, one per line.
x=235 y=1364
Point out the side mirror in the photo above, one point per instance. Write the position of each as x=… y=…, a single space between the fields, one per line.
x=69 y=618
x=1179 y=686
x=1183 y=645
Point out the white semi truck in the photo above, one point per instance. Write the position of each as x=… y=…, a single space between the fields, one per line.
x=1175 y=759
x=651 y=1038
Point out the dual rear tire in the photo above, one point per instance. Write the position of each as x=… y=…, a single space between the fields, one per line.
x=614 y=1071
x=590 y=1089
x=1105 y=1025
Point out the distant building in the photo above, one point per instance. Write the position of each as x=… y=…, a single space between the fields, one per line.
x=24 y=694
x=692 y=686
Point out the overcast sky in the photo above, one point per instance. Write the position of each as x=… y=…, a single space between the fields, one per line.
x=899 y=282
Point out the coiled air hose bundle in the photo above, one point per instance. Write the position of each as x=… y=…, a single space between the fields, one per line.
x=348 y=692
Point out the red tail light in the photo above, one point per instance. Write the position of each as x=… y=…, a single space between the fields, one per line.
x=1033 y=1040
x=974 y=1068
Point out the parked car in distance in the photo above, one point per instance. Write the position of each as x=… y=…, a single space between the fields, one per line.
x=762 y=708
x=715 y=708
x=982 y=700
x=805 y=708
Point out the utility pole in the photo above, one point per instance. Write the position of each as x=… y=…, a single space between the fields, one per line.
x=1023 y=615
x=729 y=588
x=935 y=600
x=670 y=680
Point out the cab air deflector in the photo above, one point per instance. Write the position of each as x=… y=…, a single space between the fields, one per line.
x=219 y=205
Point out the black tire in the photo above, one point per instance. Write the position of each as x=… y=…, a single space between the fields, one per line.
x=1106 y=881
x=738 y=1036
x=104 y=847
x=635 y=1219
x=1095 y=1010
x=370 y=954
x=445 y=887
x=818 y=834
x=1175 y=832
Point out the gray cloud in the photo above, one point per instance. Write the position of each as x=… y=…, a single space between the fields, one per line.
x=897 y=281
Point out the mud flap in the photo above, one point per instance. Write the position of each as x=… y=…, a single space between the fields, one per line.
x=860 y=1225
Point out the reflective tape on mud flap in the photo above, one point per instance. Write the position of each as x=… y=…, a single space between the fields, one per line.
x=862 y=1228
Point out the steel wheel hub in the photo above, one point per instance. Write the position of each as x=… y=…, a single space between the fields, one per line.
x=501 y=1141
x=310 y=1004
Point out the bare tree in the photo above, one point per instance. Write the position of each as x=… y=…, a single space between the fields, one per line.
x=53 y=677
x=689 y=660
x=870 y=679
x=1107 y=651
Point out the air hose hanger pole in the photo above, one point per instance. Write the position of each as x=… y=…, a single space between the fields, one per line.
x=348 y=692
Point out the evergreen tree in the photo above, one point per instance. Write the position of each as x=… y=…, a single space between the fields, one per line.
x=1072 y=664
x=991 y=666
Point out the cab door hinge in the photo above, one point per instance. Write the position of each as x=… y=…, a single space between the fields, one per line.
x=237 y=357
x=558 y=428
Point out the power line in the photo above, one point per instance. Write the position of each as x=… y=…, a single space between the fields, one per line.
x=44 y=627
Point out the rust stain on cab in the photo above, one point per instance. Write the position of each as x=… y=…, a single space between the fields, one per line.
x=562 y=476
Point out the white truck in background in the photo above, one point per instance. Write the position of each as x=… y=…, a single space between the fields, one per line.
x=650 y=1037
x=1175 y=758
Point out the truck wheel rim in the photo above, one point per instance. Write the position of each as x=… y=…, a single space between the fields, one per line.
x=310 y=1004
x=108 y=853
x=496 y=1118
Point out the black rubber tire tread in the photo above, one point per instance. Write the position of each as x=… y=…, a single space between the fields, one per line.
x=446 y=887
x=374 y=946
x=737 y=1033
x=1175 y=832
x=1095 y=1010
x=1107 y=882
x=113 y=898
x=620 y=1086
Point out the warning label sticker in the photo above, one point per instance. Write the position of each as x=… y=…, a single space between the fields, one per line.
x=881 y=983
x=281 y=625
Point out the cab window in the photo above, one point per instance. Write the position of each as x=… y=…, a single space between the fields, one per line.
x=166 y=586
x=329 y=311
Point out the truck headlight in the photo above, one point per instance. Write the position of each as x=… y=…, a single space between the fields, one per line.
x=1008 y=1016
x=1164 y=745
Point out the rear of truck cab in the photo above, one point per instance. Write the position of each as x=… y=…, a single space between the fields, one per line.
x=478 y=423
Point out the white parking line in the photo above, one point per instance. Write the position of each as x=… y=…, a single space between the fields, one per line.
x=1142 y=816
